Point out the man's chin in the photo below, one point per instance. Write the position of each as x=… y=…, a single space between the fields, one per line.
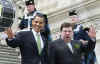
x=68 y=38
x=37 y=30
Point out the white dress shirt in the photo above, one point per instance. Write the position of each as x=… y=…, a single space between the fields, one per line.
x=42 y=45
x=70 y=47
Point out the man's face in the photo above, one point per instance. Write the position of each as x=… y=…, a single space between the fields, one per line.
x=30 y=8
x=38 y=23
x=74 y=19
x=67 y=34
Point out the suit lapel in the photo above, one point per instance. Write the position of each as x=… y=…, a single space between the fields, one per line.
x=34 y=44
x=65 y=46
x=72 y=46
x=69 y=49
x=75 y=49
x=44 y=42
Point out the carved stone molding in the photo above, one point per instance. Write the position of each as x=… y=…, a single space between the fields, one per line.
x=89 y=14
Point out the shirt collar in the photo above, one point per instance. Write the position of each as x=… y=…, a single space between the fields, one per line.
x=35 y=32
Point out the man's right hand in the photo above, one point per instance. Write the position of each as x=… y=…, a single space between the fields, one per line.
x=92 y=32
x=84 y=42
x=9 y=33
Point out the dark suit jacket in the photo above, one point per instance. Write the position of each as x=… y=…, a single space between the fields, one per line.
x=46 y=31
x=59 y=53
x=78 y=28
x=28 y=47
x=90 y=57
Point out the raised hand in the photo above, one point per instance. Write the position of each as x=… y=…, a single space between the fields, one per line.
x=92 y=32
x=9 y=33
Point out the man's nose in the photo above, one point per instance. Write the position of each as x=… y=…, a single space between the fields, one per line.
x=37 y=23
x=67 y=32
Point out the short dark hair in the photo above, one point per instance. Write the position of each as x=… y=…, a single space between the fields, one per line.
x=29 y=2
x=72 y=13
x=86 y=29
x=39 y=15
x=65 y=25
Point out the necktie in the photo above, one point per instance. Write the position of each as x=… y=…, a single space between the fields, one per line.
x=70 y=47
x=39 y=43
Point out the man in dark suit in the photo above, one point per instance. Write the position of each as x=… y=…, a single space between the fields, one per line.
x=32 y=44
x=68 y=51
x=26 y=21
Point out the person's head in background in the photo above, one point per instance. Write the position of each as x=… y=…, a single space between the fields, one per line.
x=74 y=17
x=86 y=29
x=30 y=6
x=66 y=32
x=38 y=22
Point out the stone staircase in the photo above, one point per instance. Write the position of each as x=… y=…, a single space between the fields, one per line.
x=8 y=55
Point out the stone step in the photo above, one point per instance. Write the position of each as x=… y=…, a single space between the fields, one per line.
x=8 y=55
x=8 y=62
x=10 y=51
x=6 y=47
x=9 y=59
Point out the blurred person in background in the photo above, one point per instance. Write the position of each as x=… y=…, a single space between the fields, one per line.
x=81 y=33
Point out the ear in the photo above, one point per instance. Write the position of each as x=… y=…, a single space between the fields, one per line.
x=32 y=22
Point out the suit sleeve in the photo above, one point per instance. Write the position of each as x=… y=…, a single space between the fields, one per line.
x=23 y=24
x=51 y=54
x=89 y=46
x=15 y=42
